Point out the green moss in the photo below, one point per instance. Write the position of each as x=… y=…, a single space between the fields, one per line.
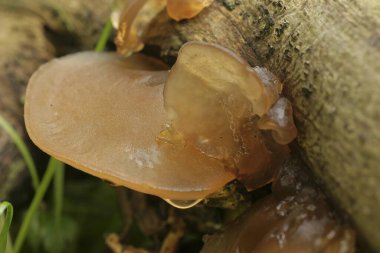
x=230 y=4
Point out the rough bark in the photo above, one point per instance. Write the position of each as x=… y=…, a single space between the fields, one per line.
x=32 y=32
x=328 y=55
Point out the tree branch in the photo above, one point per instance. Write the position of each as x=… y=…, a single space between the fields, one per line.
x=328 y=55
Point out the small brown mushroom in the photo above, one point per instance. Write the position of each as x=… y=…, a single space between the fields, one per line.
x=101 y=113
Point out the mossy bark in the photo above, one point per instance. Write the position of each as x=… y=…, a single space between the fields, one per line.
x=328 y=55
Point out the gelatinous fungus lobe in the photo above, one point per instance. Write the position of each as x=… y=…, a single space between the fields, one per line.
x=102 y=113
x=134 y=18
x=181 y=136
x=215 y=100
x=186 y=9
x=279 y=119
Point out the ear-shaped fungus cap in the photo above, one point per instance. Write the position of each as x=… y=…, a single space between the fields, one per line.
x=101 y=113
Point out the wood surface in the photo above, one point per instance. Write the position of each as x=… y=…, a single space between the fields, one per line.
x=328 y=55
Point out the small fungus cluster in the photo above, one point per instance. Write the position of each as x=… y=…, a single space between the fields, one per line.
x=135 y=16
x=184 y=133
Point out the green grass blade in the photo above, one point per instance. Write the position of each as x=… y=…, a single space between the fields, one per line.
x=23 y=150
x=59 y=181
x=9 y=245
x=40 y=193
x=106 y=33
x=7 y=224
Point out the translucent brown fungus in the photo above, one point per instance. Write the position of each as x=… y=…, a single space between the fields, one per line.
x=98 y=113
x=132 y=23
x=136 y=15
x=227 y=98
x=180 y=136
x=280 y=119
x=186 y=9
x=294 y=219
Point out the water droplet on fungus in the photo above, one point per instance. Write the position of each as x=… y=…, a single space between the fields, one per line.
x=183 y=204
x=228 y=99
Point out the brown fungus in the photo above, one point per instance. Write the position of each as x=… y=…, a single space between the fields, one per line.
x=279 y=119
x=295 y=218
x=132 y=22
x=186 y=9
x=101 y=114
x=180 y=136
x=215 y=99
x=136 y=15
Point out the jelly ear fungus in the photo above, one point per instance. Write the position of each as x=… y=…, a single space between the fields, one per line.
x=102 y=113
x=225 y=108
x=181 y=135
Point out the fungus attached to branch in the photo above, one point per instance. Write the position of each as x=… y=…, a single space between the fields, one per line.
x=214 y=99
x=136 y=15
x=98 y=113
x=186 y=9
x=132 y=21
x=279 y=119
x=180 y=136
